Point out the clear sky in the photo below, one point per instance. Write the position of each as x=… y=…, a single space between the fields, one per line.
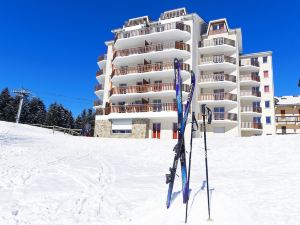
x=51 y=47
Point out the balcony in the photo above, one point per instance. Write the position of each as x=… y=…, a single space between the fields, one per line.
x=221 y=117
x=288 y=120
x=217 y=99
x=102 y=111
x=249 y=65
x=251 y=126
x=217 y=62
x=219 y=45
x=102 y=60
x=98 y=103
x=251 y=111
x=100 y=76
x=149 y=71
x=146 y=91
x=152 y=33
x=250 y=79
x=250 y=95
x=155 y=52
x=217 y=80
x=99 y=90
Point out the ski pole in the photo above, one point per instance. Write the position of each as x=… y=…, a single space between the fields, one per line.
x=204 y=110
x=194 y=121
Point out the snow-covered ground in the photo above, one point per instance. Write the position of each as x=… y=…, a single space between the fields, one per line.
x=56 y=179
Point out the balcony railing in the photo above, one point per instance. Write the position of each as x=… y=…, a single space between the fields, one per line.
x=251 y=109
x=249 y=62
x=153 y=29
x=216 y=59
x=251 y=125
x=103 y=111
x=137 y=108
x=99 y=73
x=147 y=88
x=216 y=42
x=217 y=96
x=250 y=93
x=152 y=48
x=99 y=87
x=219 y=31
x=288 y=119
x=102 y=57
x=98 y=103
x=148 y=68
x=217 y=77
x=248 y=77
x=221 y=116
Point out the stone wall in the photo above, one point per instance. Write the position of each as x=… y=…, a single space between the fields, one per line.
x=102 y=128
x=140 y=128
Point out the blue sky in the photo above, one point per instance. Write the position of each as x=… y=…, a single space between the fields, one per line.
x=51 y=47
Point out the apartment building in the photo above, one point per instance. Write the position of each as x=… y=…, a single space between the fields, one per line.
x=287 y=111
x=136 y=91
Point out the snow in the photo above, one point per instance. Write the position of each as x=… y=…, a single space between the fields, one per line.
x=57 y=179
x=288 y=100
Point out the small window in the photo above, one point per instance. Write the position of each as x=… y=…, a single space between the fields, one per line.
x=267 y=88
x=266 y=74
x=265 y=59
x=267 y=104
x=268 y=119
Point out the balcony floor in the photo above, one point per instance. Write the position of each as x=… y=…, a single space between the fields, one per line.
x=217 y=66
x=249 y=83
x=249 y=68
x=250 y=98
x=218 y=102
x=217 y=84
x=155 y=56
x=99 y=93
x=167 y=35
x=160 y=94
x=218 y=49
x=149 y=75
x=158 y=115
x=102 y=63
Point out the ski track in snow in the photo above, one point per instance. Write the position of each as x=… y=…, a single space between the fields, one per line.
x=56 y=179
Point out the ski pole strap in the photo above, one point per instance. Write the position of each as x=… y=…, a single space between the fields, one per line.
x=194 y=122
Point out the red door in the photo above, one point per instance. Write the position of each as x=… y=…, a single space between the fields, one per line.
x=175 y=131
x=156 y=130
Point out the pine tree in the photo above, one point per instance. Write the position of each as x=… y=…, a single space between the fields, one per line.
x=57 y=115
x=37 y=112
x=7 y=108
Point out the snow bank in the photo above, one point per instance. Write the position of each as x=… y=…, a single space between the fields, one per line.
x=58 y=179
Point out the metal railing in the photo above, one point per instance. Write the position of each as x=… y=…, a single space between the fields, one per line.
x=288 y=119
x=157 y=28
x=251 y=109
x=249 y=62
x=74 y=132
x=99 y=87
x=148 y=68
x=137 y=108
x=221 y=116
x=217 y=96
x=98 y=103
x=248 y=77
x=99 y=73
x=217 y=77
x=216 y=59
x=147 y=88
x=251 y=125
x=250 y=93
x=102 y=57
x=216 y=42
x=152 y=48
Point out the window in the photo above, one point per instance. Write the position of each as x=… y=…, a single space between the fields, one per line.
x=267 y=104
x=256 y=120
x=268 y=119
x=256 y=105
x=267 y=88
x=219 y=26
x=219 y=113
x=266 y=74
x=265 y=59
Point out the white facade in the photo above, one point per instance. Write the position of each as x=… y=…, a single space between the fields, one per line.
x=136 y=78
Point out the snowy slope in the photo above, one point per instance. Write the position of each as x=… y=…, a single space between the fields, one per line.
x=56 y=179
